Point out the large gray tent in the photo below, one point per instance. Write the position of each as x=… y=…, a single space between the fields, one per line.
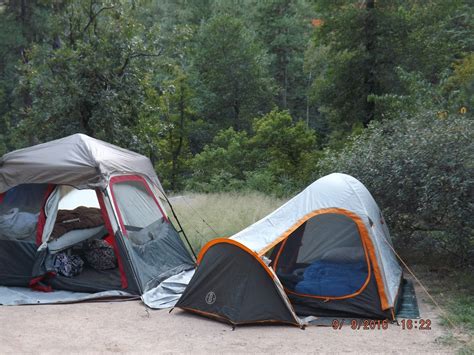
x=70 y=205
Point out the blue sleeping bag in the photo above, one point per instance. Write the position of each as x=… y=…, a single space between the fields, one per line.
x=331 y=279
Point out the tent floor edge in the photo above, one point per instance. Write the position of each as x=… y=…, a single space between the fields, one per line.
x=235 y=324
x=208 y=315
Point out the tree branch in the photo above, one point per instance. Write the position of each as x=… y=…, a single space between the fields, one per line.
x=92 y=17
x=136 y=55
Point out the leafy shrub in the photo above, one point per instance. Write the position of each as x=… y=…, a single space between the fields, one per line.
x=221 y=166
x=275 y=158
x=419 y=170
x=282 y=145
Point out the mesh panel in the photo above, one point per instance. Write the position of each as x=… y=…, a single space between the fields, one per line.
x=157 y=253
x=323 y=257
x=155 y=248
x=137 y=207
x=19 y=211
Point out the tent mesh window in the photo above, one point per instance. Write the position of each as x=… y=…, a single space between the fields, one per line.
x=19 y=212
x=323 y=257
x=154 y=245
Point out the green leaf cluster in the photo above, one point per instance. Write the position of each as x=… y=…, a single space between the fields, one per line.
x=275 y=157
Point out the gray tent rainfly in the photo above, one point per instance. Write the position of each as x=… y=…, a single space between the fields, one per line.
x=326 y=252
x=81 y=215
x=77 y=160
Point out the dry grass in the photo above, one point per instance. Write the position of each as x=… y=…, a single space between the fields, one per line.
x=225 y=213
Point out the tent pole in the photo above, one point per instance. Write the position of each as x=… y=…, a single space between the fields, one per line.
x=180 y=227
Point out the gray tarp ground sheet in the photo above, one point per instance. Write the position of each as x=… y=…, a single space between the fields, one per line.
x=14 y=296
x=166 y=294
x=163 y=296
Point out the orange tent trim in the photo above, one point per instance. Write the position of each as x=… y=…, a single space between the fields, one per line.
x=369 y=250
x=237 y=244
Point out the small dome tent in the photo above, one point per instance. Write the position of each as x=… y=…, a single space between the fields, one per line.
x=84 y=216
x=326 y=252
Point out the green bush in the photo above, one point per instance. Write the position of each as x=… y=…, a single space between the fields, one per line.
x=275 y=158
x=419 y=170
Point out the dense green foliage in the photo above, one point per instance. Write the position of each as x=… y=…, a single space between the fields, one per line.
x=419 y=170
x=275 y=157
x=231 y=74
x=260 y=95
x=358 y=51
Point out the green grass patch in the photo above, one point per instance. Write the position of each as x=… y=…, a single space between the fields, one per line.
x=209 y=216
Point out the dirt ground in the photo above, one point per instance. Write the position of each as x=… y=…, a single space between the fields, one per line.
x=128 y=327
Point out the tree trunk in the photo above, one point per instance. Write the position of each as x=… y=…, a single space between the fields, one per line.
x=369 y=79
x=85 y=118
x=285 y=82
x=307 y=98
x=177 y=151
x=237 y=125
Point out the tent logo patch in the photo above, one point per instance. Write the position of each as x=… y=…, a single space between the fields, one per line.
x=210 y=297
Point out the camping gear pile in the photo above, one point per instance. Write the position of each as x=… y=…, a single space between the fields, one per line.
x=80 y=218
